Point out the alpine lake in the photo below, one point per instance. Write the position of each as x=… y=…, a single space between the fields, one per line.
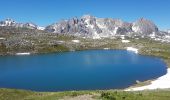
x=80 y=70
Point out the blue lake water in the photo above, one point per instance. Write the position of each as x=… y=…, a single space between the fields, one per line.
x=80 y=70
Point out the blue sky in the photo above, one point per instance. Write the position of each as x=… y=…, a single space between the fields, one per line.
x=44 y=12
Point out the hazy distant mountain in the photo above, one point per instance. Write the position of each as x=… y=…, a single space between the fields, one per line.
x=12 y=23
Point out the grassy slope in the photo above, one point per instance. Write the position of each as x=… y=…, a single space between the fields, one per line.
x=10 y=94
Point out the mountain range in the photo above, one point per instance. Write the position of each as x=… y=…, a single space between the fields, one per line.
x=11 y=23
x=96 y=28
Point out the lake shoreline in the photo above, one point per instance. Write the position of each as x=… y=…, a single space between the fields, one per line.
x=131 y=88
x=141 y=52
x=108 y=54
x=159 y=83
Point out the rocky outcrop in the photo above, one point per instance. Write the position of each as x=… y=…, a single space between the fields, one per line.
x=90 y=26
x=93 y=27
x=144 y=27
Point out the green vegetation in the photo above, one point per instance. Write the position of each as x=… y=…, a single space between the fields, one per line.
x=144 y=95
x=47 y=43
x=3 y=48
x=12 y=94
x=53 y=48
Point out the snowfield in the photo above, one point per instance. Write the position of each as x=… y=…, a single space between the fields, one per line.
x=76 y=41
x=26 y=53
x=132 y=49
x=125 y=41
x=161 y=83
x=1 y=38
x=106 y=48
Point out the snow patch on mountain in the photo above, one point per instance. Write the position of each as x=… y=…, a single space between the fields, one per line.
x=40 y=28
x=7 y=22
x=89 y=26
x=11 y=23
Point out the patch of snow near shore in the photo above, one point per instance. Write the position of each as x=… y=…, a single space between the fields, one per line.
x=125 y=41
x=1 y=38
x=20 y=54
x=106 y=48
x=161 y=83
x=60 y=42
x=132 y=49
x=76 y=41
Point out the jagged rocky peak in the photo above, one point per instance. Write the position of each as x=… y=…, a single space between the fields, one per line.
x=57 y=27
x=89 y=20
x=112 y=24
x=144 y=27
x=7 y=22
x=30 y=25
x=73 y=25
x=90 y=26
